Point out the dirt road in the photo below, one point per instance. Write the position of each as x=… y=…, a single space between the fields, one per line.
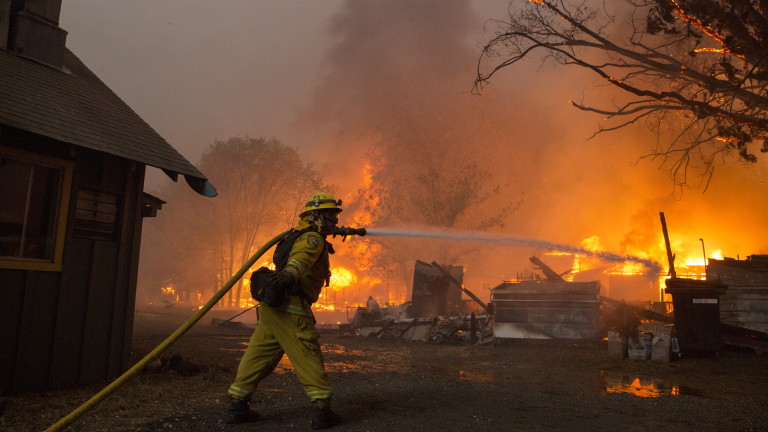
x=388 y=384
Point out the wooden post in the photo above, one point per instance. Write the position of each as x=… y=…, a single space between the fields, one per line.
x=550 y=274
x=473 y=329
x=670 y=255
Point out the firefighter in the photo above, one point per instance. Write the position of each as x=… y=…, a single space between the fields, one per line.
x=302 y=269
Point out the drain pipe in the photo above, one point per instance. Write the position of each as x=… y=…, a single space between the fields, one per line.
x=114 y=385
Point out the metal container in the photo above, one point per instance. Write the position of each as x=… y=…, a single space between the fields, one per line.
x=545 y=310
x=697 y=313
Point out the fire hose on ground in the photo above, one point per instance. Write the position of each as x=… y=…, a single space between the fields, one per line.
x=141 y=364
x=117 y=383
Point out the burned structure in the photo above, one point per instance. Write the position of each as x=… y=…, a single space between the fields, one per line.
x=72 y=164
x=433 y=293
x=552 y=308
x=436 y=313
x=745 y=302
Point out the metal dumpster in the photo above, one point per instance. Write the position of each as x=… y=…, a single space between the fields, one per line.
x=697 y=314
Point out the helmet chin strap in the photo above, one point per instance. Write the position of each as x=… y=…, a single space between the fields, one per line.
x=318 y=221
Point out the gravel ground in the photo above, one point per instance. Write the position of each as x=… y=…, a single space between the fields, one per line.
x=389 y=384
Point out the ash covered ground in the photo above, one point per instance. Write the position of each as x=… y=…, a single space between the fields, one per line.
x=389 y=384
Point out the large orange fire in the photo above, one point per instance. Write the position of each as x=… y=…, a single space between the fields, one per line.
x=686 y=262
x=357 y=272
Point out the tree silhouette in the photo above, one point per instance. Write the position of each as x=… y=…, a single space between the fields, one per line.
x=697 y=66
x=262 y=186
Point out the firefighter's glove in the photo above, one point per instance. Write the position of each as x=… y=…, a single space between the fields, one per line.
x=278 y=290
x=282 y=280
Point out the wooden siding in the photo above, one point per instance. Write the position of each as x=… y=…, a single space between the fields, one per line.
x=546 y=310
x=38 y=318
x=12 y=284
x=60 y=329
x=745 y=303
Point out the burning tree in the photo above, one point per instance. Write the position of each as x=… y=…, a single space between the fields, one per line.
x=698 y=66
x=428 y=175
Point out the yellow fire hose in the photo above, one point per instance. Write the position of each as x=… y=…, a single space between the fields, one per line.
x=114 y=385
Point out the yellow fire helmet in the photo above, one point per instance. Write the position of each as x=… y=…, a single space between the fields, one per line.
x=322 y=201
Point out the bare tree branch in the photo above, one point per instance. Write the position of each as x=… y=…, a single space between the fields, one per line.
x=706 y=60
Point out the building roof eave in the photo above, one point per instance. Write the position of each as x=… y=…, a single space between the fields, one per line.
x=72 y=105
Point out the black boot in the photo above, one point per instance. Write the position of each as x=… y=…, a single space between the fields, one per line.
x=240 y=412
x=324 y=417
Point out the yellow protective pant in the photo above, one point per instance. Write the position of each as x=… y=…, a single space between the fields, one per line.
x=279 y=332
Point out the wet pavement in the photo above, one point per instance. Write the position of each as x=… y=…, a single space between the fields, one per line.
x=386 y=384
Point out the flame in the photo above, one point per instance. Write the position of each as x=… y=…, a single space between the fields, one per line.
x=628 y=268
x=712 y=50
x=341 y=278
x=702 y=261
x=363 y=216
x=687 y=264
x=323 y=305
x=638 y=388
x=592 y=243
x=353 y=287
x=582 y=262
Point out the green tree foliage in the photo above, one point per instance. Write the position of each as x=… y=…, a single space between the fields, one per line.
x=696 y=66
x=262 y=185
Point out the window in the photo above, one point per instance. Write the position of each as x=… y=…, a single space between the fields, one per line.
x=96 y=215
x=34 y=191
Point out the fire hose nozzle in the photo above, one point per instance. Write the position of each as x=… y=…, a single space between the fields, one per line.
x=346 y=231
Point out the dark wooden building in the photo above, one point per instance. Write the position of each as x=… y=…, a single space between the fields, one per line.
x=72 y=164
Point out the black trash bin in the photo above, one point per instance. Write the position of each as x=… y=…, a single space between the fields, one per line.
x=697 y=314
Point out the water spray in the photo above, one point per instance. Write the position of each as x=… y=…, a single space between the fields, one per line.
x=651 y=265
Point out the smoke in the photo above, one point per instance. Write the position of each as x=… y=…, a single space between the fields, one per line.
x=394 y=92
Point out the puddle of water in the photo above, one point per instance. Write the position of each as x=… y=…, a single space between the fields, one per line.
x=339 y=358
x=644 y=387
x=239 y=343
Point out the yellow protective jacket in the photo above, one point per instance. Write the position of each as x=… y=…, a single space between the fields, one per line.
x=309 y=266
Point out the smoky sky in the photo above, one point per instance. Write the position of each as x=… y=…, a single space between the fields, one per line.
x=392 y=57
x=330 y=77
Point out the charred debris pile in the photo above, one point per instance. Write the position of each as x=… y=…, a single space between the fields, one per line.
x=436 y=312
x=550 y=307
